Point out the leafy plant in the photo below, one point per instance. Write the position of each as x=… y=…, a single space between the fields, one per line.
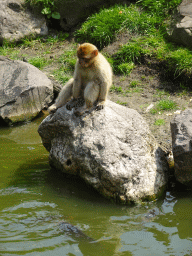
x=47 y=7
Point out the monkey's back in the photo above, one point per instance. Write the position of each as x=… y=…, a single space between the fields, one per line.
x=104 y=69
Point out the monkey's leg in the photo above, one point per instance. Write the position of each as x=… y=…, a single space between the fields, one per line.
x=102 y=97
x=91 y=94
x=64 y=96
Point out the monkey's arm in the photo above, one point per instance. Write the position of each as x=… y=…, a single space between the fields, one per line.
x=64 y=95
x=77 y=81
x=105 y=80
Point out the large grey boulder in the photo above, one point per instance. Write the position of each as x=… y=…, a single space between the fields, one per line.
x=180 y=29
x=181 y=128
x=17 y=22
x=24 y=91
x=112 y=150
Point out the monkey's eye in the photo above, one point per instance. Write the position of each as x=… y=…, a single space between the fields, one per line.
x=84 y=59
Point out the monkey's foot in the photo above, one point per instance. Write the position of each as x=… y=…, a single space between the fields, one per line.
x=80 y=111
x=100 y=105
x=52 y=109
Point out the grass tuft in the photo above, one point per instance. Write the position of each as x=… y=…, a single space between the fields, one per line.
x=163 y=105
x=38 y=62
x=116 y=89
x=159 y=122
x=125 y=68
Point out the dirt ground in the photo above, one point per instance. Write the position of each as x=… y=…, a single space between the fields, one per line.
x=146 y=85
x=151 y=85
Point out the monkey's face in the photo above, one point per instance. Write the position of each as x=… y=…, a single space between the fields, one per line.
x=86 y=54
x=85 y=62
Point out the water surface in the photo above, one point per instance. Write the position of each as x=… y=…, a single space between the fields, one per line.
x=35 y=200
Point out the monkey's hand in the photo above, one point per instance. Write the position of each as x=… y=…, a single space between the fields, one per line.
x=52 y=109
x=100 y=105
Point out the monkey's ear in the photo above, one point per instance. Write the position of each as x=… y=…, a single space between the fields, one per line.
x=95 y=53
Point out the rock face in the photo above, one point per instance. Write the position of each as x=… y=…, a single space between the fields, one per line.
x=181 y=128
x=180 y=30
x=24 y=91
x=17 y=22
x=112 y=150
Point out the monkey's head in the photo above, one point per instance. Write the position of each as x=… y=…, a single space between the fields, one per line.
x=86 y=54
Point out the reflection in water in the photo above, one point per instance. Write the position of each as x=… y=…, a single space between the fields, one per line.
x=43 y=212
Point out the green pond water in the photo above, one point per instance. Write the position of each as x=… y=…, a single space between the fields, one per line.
x=35 y=200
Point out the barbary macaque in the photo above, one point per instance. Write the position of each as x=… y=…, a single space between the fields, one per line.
x=91 y=81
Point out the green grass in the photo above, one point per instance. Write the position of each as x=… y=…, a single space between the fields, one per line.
x=124 y=59
x=11 y=52
x=121 y=103
x=164 y=105
x=116 y=89
x=161 y=93
x=52 y=39
x=38 y=62
x=61 y=75
x=159 y=7
x=134 y=90
x=68 y=59
x=159 y=122
x=176 y=59
x=67 y=64
x=125 y=68
x=134 y=83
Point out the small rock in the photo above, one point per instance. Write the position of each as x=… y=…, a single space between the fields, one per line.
x=24 y=91
x=181 y=129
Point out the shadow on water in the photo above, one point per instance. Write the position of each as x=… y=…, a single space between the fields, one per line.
x=36 y=173
x=64 y=191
